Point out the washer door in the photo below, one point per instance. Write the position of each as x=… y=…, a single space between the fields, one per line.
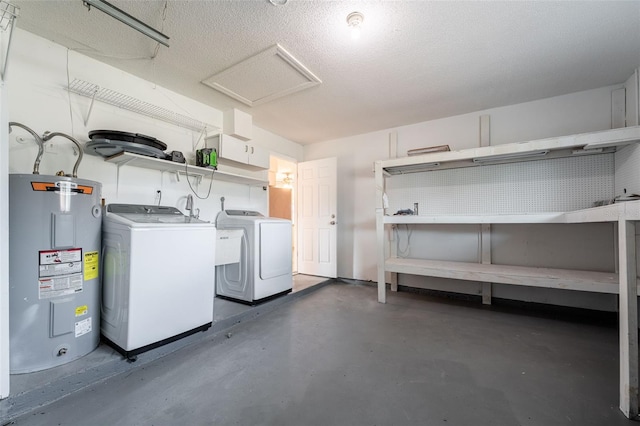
x=275 y=249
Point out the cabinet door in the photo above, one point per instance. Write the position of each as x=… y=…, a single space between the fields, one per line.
x=258 y=157
x=233 y=149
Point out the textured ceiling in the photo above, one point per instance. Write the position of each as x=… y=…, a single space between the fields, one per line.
x=415 y=60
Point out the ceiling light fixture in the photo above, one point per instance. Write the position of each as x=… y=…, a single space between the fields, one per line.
x=287 y=181
x=127 y=19
x=354 y=20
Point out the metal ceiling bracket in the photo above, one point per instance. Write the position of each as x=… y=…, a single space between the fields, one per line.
x=128 y=20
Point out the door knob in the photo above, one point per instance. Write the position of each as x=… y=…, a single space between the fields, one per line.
x=333 y=222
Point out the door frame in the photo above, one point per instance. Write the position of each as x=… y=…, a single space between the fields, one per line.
x=279 y=166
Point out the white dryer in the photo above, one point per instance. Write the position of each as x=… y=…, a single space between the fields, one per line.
x=158 y=281
x=263 y=266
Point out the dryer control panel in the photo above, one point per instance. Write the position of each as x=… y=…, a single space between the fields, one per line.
x=243 y=213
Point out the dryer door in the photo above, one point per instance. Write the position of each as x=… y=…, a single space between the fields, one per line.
x=275 y=249
x=232 y=279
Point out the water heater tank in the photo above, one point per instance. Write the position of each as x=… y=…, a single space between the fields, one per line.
x=54 y=279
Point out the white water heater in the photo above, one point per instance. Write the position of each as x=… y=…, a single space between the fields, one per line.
x=54 y=278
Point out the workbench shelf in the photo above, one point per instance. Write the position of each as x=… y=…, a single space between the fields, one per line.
x=597 y=282
x=624 y=215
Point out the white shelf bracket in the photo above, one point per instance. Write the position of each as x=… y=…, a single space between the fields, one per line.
x=8 y=15
x=93 y=98
x=118 y=176
x=117 y=180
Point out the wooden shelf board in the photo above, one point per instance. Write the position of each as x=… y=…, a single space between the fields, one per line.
x=465 y=157
x=609 y=213
x=236 y=178
x=143 y=161
x=476 y=219
x=598 y=282
x=628 y=210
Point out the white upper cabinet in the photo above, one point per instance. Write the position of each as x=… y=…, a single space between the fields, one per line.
x=234 y=151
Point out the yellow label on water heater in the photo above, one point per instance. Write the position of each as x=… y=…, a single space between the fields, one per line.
x=91 y=265
x=82 y=310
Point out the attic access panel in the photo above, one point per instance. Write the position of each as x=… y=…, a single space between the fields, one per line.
x=268 y=75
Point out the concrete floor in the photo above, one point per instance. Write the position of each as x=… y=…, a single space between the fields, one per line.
x=32 y=390
x=335 y=356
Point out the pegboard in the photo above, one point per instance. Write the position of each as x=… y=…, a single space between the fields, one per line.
x=627 y=170
x=554 y=185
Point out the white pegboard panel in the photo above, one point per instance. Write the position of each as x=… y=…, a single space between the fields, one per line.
x=561 y=184
x=627 y=169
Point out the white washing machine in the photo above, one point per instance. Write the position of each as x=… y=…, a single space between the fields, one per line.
x=262 y=267
x=158 y=279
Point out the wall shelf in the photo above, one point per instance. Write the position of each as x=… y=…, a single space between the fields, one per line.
x=8 y=15
x=129 y=103
x=628 y=210
x=137 y=160
x=563 y=146
x=475 y=219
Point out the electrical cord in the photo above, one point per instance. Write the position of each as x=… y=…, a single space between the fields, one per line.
x=186 y=172
x=403 y=252
x=164 y=18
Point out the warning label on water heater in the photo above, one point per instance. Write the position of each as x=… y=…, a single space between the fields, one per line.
x=60 y=262
x=59 y=286
x=91 y=265
x=83 y=327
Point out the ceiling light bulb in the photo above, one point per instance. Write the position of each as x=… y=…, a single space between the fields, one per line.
x=354 y=20
x=287 y=181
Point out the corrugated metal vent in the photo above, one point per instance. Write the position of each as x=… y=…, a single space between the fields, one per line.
x=263 y=77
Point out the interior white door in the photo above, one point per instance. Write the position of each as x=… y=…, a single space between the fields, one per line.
x=317 y=221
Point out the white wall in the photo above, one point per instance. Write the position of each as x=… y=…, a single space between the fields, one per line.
x=4 y=246
x=575 y=113
x=38 y=98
